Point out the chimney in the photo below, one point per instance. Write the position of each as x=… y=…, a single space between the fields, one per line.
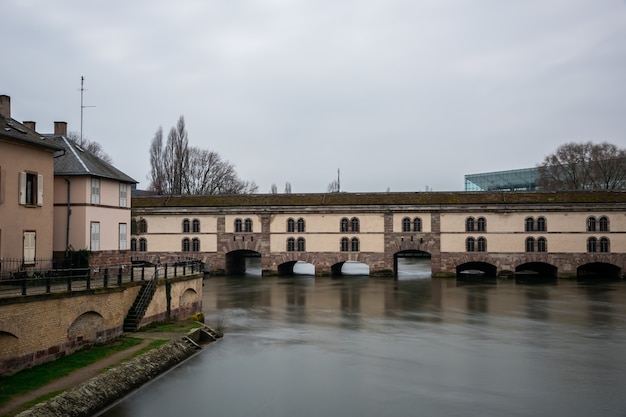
x=29 y=124
x=60 y=128
x=5 y=106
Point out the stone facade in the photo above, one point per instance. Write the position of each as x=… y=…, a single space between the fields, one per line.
x=387 y=228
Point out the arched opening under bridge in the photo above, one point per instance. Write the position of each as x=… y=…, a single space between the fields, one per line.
x=243 y=262
x=599 y=271
x=412 y=264
x=536 y=272
x=475 y=271
x=296 y=268
x=350 y=268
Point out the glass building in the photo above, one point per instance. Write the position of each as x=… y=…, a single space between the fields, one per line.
x=513 y=180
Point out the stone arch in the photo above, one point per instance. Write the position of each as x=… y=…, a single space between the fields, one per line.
x=237 y=261
x=87 y=327
x=476 y=269
x=347 y=268
x=542 y=269
x=413 y=254
x=188 y=301
x=10 y=345
x=296 y=267
x=599 y=271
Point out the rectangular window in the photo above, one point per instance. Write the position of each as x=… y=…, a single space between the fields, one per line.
x=95 y=191
x=122 y=234
x=123 y=188
x=31 y=189
x=95 y=236
x=29 y=247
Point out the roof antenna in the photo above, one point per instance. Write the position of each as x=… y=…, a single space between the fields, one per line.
x=338 y=181
x=82 y=107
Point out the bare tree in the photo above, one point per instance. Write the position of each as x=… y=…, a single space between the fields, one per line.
x=584 y=166
x=91 y=146
x=273 y=189
x=287 y=187
x=178 y=168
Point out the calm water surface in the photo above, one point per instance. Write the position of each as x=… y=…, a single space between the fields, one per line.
x=422 y=347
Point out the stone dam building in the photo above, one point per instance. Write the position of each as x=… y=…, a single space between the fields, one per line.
x=557 y=234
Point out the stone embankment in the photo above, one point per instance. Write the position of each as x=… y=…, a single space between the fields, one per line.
x=98 y=393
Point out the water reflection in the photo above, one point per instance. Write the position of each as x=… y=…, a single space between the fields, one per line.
x=371 y=347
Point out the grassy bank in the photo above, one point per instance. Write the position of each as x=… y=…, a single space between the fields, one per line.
x=40 y=375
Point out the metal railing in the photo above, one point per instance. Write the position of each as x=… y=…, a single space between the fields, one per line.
x=46 y=281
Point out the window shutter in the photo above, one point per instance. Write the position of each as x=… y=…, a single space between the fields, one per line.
x=29 y=247
x=40 y=190
x=22 y=185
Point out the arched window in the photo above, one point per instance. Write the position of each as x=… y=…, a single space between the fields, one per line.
x=291 y=225
x=301 y=225
x=406 y=224
x=301 y=244
x=344 y=225
x=530 y=224
x=530 y=244
x=186 y=244
x=143 y=245
x=248 y=225
x=355 y=244
x=344 y=244
x=355 y=224
x=142 y=226
x=604 y=224
x=469 y=224
x=186 y=226
x=591 y=224
x=542 y=244
x=604 y=245
x=591 y=244
x=417 y=224
x=133 y=245
x=481 y=224
x=238 y=225
x=195 y=226
x=482 y=244
x=291 y=244
x=195 y=244
x=469 y=244
x=541 y=224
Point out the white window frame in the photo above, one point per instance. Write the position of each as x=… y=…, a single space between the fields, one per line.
x=123 y=194
x=123 y=235
x=29 y=247
x=94 y=232
x=95 y=190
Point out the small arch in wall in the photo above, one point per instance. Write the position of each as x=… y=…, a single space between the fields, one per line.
x=597 y=271
x=10 y=345
x=86 y=328
x=188 y=298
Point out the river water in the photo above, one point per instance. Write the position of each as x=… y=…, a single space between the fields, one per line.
x=358 y=346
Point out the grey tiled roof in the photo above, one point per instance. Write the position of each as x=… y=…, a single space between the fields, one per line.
x=77 y=161
x=12 y=130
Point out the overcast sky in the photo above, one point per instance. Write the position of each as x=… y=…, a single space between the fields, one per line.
x=398 y=94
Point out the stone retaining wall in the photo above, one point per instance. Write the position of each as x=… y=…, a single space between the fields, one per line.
x=100 y=392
